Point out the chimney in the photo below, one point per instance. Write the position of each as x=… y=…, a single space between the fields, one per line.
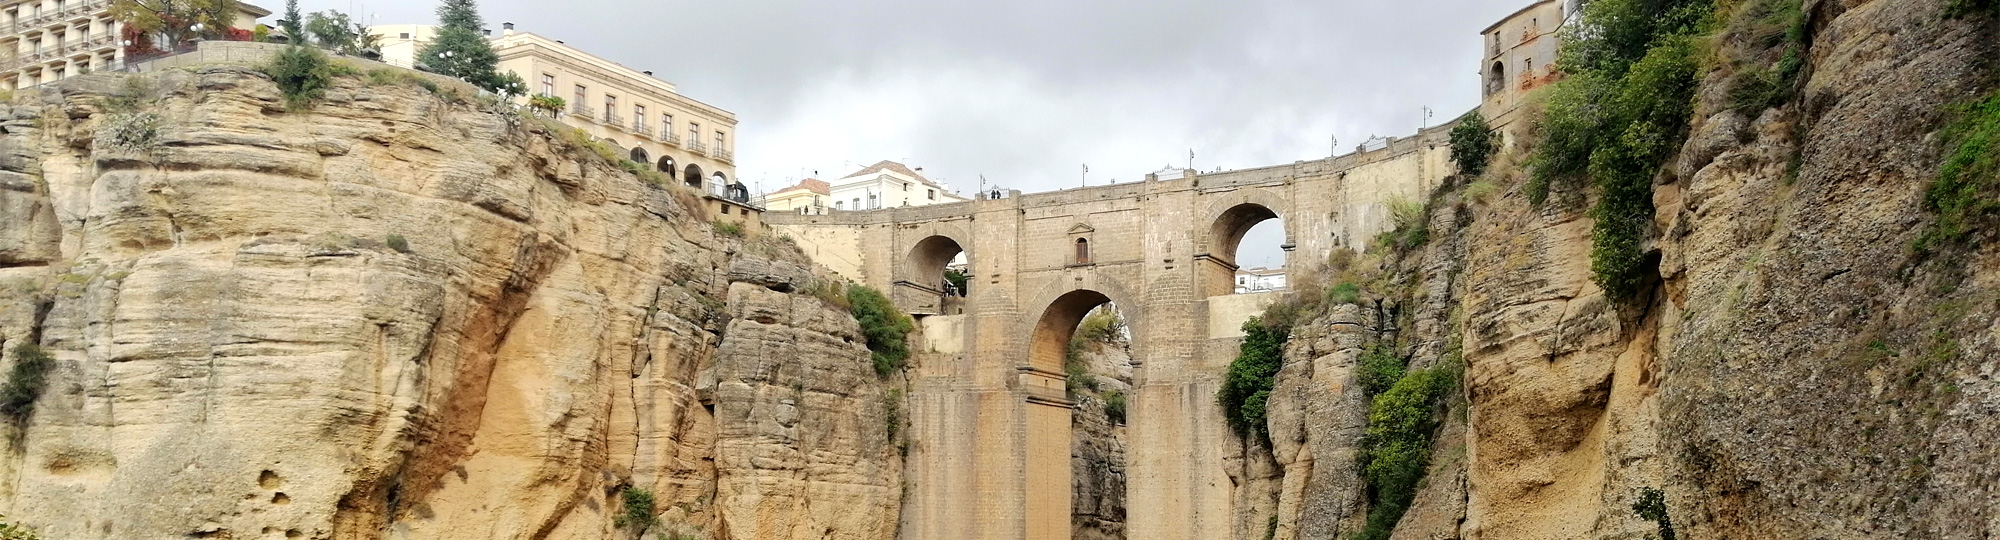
x=506 y=29
x=488 y=32
x=648 y=73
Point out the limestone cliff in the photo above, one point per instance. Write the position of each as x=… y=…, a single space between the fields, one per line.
x=1794 y=369
x=404 y=314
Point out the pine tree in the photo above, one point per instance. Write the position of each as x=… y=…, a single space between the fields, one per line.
x=461 y=50
x=293 y=25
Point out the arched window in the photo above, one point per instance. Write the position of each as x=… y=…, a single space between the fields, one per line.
x=639 y=155
x=719 y=184
x=692 y=176
x=1082 y=251
x=667 y=165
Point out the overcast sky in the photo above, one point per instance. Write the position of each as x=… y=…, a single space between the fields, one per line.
x=1026 y=92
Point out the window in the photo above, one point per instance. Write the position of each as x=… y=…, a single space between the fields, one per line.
x=548 y=85
x=610 y=107
x=874 y=202
x=725 y=209
x=906 y=186
x=932 y=193
x=1082 y=251
x=857 y=203
x=667 y=125
x=582 y=98
x=718 y=141
x=404 y=35
x=638 y=115
x=694 y=133
x=839 y=205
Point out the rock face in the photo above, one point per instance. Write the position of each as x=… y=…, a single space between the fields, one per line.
x=1097 y=446
x=402 y=315
x=1796 y=371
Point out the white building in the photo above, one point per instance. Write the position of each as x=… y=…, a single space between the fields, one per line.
x=1250 y=280
x=888 y=184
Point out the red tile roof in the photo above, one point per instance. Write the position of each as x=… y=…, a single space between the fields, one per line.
x=814 y=185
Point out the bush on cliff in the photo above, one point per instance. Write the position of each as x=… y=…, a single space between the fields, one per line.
x=1966 y=195
x=886 y=328
x=1616 y=120
x=1251 y=376
x=26 y=382
x=1473 y=144
x=303 y=74
x=1396 y=452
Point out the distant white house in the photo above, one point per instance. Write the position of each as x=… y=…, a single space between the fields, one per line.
x=1250 y=280
x=888 y=184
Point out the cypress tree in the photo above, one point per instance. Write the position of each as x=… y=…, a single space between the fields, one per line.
x=294 y=26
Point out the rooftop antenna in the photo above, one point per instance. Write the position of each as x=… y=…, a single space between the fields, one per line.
x=1336 y=144
x=1086 y=175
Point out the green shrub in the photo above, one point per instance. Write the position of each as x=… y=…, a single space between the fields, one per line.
x=139 y=132
x=1473 y=143
x=1958 y=9
x=892 y=412
x=640 y=510
x=1769 y=40
x=26 y=382
x=1251 y=376
x=398 y=243
x=1652 y=506
x=303 y=74
x=729 y=228
x=1378 y=369
x=10 y=530
x=398 y=76
x=1619 y=117
x=1396 y=451
x=1966 y=195
x=886 y=328
x=1114 y=406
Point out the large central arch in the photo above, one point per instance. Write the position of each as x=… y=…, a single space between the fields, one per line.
x=1048 y=415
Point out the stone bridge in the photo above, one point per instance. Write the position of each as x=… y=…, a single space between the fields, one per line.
x=990 y=419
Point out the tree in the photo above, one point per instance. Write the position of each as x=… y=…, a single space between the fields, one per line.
x=179 y=20
x=293 y=24
x=1472 y=144
x=333 y=30
x=460 y=50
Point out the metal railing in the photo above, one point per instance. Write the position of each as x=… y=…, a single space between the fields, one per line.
x=44 y=20
x=614 y=122
x=670 y=138
x=724 y=155
x=80 y=47
x=641 y=128
x=697 y=148
x=582 y=111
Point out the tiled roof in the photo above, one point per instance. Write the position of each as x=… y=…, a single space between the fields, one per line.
x=814 y=185
x=891 y=166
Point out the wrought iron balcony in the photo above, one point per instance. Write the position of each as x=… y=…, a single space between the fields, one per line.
x=641 y=128
x=697 y=148
x=670 y=138
x=581 y=111
x=614 y=122
x=723 y=155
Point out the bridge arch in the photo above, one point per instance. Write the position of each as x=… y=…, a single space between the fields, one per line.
x=1228 y=219
x=926 y=262
x=1058 y=309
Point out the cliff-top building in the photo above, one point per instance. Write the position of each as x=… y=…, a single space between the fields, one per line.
x=43 y=41
x=643 y=116
x=1520 y=56
x=809 y=197
x=888 y=184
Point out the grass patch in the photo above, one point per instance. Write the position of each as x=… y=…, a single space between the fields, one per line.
x=1966 y=195
x=398 y=243
x=1411 y=230
x=729 y=228
x=25 y=382
x=886 y=328
x=134 y=131
x=9 y=530
x=1345 y=293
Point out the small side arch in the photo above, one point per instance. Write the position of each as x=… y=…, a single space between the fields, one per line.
x=1060 y=307
x=667 y=165
x=639 y=155
x=693 y=176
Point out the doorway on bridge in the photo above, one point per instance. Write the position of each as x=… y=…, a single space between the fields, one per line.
x=1077 y=427
x=1248 y=249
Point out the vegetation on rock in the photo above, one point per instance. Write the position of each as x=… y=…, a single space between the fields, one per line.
x=1966 y=195
x=15 y=531
x=640 y=510
x=1396 y=452
x=303 y=75
x=1473 y=144
x=886 y=328
x=26 y=381
x=1652 y=506
x=1616 y=120
x=1252 y=375
x=1766 y=41
x=337 y=32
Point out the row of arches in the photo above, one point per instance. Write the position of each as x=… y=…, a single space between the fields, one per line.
x=692 y=175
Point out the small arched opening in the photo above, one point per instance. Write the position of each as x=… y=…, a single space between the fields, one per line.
x=667 y=165
x=692 y=176
x=639 y=155
x=718 y=184
x=1496 y=78
x=1082 y=253
x=937 y=264
x=1247 y=249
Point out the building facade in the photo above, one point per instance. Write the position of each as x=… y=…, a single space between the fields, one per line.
x=811 y=197
x=641 y=115
x=1253 y=280
x=888 y=184
x=1520 y=57
x=43 y=41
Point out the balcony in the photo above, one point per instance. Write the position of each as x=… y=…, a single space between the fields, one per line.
x=670 y=138
x=641 y=128
x=722 y=155
x=583 y=112
x=697 y=148
x=80 y=10
x=614 y=122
